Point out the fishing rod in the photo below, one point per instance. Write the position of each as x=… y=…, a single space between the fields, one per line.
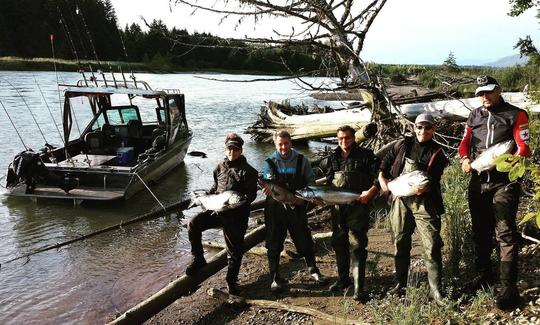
x=79 y=12
x=68 y=35
x=49 y=109
x=176 y=207
x=170 y=209
x=13 y=124
x=28 y=107
x=51 y=38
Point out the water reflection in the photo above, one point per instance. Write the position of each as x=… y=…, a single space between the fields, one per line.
x=91 y=280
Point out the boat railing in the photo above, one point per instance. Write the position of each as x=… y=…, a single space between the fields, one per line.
x=132 y=84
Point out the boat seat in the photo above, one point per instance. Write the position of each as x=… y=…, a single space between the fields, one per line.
x=111 y=141
x=134 y=128
x=94 y=142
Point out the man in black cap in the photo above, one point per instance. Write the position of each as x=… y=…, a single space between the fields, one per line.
x=423 y=209
x=493 y=199
x=232 y=174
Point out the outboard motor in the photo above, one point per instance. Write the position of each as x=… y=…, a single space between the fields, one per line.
x=27 y=167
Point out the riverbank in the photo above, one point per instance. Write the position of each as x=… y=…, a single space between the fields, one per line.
x=414 y=308
x=10 y=63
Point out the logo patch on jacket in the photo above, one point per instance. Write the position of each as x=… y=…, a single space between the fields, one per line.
x=524 y=133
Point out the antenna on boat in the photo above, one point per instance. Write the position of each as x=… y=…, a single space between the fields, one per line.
x=13 y=124
x=49 y=109
x=28 y=107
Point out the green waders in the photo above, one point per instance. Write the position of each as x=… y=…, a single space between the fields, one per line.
x=408 y=213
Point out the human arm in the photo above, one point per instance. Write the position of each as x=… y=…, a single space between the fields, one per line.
x=465 y=149
x=521 y=134
x=213 y=189
x=383 y=182
x=366 y=196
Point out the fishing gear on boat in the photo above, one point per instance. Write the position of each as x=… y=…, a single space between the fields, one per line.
x=79 y=12
x=149 y=190
x=13 y=124
x=68 y=35
x=50 y=112
x=28 y=107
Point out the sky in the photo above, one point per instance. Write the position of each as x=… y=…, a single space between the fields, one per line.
x=404 y=32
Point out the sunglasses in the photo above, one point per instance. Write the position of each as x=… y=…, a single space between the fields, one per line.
x=424 y=127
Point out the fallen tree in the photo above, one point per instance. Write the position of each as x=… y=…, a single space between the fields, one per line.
x=183 y=285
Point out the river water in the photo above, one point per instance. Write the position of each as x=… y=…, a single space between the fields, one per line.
x=92 y=280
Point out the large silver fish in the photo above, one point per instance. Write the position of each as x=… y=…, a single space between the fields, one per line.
x=279 y=193
x=407 y=184
x=328 y=194
x=486 y=158
x=217 y=202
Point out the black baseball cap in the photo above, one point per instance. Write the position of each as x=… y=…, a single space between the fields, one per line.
x=485 y=83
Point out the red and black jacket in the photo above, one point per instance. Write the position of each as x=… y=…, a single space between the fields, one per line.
x=487 y=127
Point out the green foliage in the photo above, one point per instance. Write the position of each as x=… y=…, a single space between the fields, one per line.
x=417 y=308
x=456 y=222
x=450 y=63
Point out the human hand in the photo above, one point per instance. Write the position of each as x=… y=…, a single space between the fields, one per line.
x=298 y=201
x=383 y=182
x=466 y=165
x=318 y=201
x=265 y=188
x=420 y=190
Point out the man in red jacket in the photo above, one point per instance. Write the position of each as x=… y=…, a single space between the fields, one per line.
x=493 y=199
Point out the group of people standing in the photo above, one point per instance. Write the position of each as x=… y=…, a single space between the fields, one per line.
x=493 y=202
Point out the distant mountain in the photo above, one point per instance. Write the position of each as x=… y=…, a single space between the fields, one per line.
x=508 y=61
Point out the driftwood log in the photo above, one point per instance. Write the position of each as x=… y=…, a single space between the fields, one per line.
x=459 y=109
x=183 y=285
x=306 y=127
x=268 y=304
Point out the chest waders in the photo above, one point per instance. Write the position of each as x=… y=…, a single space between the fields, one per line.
x=408 y=213
x=280 y=218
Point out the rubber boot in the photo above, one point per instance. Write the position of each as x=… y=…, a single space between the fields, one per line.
x=232 y=276
x=196 y=264
x=359 y=274
x=434 y=279
x=508 y=298
x=402 y=273
x=484 y=279
x=343 y=263
x=315 y=273
x=275 y=284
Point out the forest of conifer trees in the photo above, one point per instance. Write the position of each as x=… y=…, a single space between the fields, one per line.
x=88 y=30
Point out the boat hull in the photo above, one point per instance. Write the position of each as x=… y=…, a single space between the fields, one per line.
x=108 y=183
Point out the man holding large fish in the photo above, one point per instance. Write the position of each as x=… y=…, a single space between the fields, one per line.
x=235 y=187
x=352 y=169
x=493 y=129
x=286 y=170
x=415 y=166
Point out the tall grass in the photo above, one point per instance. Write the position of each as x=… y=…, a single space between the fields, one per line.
x=456 y=223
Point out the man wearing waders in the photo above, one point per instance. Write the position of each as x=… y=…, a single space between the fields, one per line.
x=423 y=209
x=493 y=199
x=232 y=174
x=353 y=168
x=291 y=170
